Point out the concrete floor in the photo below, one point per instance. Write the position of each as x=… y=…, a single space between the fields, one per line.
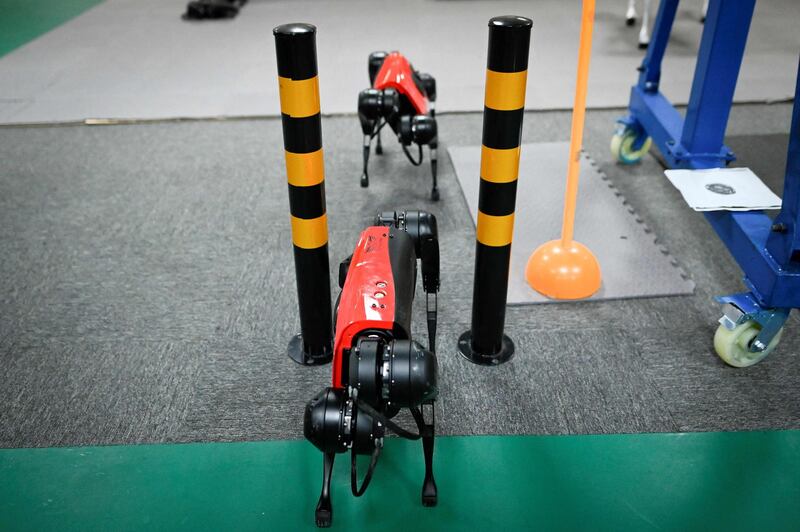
x=100 y=66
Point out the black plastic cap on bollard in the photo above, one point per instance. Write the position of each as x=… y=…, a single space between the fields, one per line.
x=296 y=50
x=509 y=43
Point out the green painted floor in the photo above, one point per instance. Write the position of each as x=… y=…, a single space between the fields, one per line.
x=697 y=481
x=22 y=21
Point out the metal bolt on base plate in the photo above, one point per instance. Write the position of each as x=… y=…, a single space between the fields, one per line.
x=502 y=356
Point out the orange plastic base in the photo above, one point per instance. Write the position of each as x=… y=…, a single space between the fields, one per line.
x=559 y=272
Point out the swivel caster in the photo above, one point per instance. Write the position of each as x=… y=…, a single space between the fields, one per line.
x=623 y=146
x=733 y=345
x=364 y=181
x=435 y=194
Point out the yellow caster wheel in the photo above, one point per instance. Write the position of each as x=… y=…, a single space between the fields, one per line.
x=622 y=147
x=733 y=346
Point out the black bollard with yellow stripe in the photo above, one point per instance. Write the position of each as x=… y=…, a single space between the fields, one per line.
x=506 y=76
x=295 y=45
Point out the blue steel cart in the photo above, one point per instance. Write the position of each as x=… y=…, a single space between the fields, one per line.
x=767 y=251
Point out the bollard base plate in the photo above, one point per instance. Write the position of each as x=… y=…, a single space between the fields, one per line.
x=502 y=356
x=297 y=353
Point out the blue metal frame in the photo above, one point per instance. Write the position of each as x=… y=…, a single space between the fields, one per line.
x=768 y=252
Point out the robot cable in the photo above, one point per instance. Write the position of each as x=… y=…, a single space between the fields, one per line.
x=391 y=425
x=367 y=409
x=410 y=158
x=358 y=492
x=377 y=130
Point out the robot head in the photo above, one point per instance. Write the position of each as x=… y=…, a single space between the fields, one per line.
x=374 y=104
x=374 y=64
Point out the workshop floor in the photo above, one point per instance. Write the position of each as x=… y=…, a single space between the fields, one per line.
x=149 y=295
x=138 y=59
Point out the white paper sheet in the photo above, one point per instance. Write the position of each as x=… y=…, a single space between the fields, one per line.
x=728 y=189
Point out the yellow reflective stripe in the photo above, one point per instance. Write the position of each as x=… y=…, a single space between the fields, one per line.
x=310 y=234
x=305 y=169
x=499 y=166
x=505 y=91
x=495 y=230
x=299 y=98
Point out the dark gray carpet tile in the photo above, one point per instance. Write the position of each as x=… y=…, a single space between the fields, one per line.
x=251 y=390
x=58 y=392
x=147 y=293
x=761 y=153
x=557 y=382
x=705 y=394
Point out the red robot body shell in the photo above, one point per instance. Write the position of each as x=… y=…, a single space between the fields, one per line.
x=368 y=296
x=396 y=73
x=377 y=295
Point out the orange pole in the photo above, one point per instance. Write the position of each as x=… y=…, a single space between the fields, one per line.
x=564 y=268
x=578 y=116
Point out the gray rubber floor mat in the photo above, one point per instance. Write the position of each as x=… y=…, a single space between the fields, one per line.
x=632 y=262
x=136 y=59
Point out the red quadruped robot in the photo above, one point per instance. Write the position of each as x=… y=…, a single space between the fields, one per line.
x=377 y=368
x=403 y=98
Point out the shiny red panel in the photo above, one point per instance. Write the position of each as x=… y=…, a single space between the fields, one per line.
x=396 y=73
x=368 y=295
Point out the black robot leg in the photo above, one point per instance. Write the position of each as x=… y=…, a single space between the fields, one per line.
x=427 y=430
x=365 y=174
x=435 y=190
x=324 y=512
